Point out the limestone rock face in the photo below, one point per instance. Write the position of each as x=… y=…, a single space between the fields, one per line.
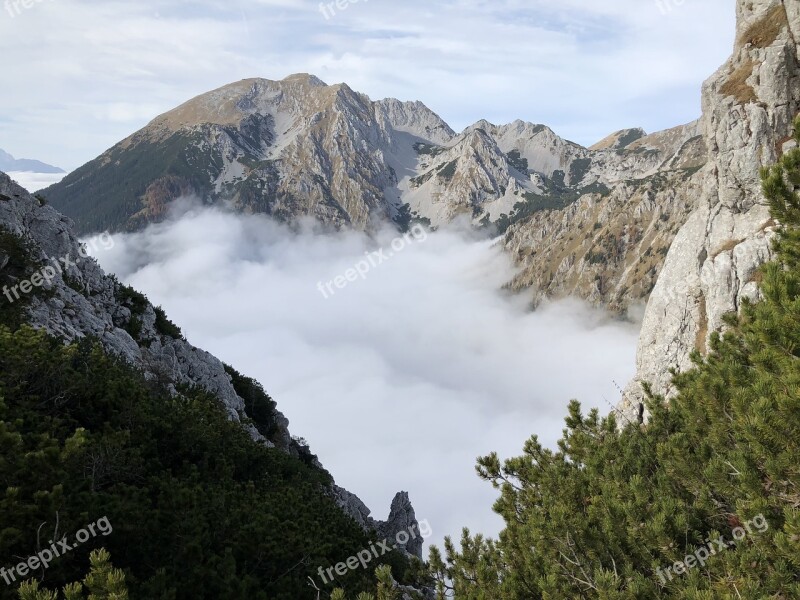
x=606 y=249
x=353 y=506
x=748 y=108
x=83 y=301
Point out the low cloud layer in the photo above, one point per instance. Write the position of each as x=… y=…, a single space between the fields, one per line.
x=399 y=380
x=33 y=182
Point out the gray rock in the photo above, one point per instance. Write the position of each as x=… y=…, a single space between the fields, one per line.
x=712 y=263
x=402 y=520
x=401 y=524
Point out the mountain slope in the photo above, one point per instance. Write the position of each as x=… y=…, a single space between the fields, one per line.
x=606 y=243
x=164 y=421
x=289 y=148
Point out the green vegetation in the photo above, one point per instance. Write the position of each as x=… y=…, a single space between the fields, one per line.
x=421 y=179
x=608 y=249
x=428 y=149
x=403 y=218
x=103 y=582
x=386 y=588
x=447 y=171
x=579 y=169
x=612 y=508
x=629 y=137
x=199 y=510
x=121 y=177
x=258 y=405
x=517 y=161
x=74 y=283
x=20 y=266
x=556 y=197
x=137 y=303
x=166 y=327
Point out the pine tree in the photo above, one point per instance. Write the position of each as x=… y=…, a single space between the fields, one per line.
x=103 y=582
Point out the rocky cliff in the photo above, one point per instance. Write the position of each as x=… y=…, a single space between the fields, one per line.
x=748 y=108
x=50 y=281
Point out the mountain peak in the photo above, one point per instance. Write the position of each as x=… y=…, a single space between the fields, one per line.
x=10 y=164
x=619 y=139
x=305 y=79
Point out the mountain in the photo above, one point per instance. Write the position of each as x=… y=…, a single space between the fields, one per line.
x=595 y=223
x=299 y=147
x=608 y=247
x=285 y=148
x=749 y=106
x=103 y=397
x=9 y=163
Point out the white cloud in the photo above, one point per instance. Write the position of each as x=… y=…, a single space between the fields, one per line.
x=398 y=381
x=33 y=182
x=585 y=68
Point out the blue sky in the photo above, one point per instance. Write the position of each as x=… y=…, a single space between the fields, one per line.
x=81 y=75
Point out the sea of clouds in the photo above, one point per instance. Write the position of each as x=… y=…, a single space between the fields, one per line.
x=399 y=380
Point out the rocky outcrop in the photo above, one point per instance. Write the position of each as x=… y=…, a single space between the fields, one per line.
x=72 y=298
x=402 y=519
x=748 y=108
x=402 y=525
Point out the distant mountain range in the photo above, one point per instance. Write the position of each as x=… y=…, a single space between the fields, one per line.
x=10 y=164
x=299 y=147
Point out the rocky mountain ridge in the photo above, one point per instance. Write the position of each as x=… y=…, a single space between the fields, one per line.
x=70 y=297
x=299 y=147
